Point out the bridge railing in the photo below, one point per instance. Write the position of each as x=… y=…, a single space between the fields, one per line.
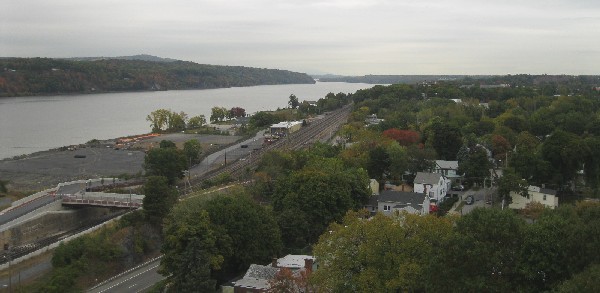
x=124 y=202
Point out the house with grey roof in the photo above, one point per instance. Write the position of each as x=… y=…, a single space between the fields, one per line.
x=435 y=185
x=391 y=202
x=449 y=169
x=257 y=277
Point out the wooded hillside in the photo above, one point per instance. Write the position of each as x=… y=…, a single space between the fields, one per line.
x=42 y=76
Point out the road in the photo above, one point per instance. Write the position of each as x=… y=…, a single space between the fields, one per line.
x=16 y=212
x=480 y=199
x=140 y=279
x=232 y=153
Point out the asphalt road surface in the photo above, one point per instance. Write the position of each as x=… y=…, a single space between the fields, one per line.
x=140 y=279
x=232 y=153
x=23 y=209
x=480 y=198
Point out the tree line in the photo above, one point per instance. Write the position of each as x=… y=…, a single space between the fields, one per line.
x=488 y=250
x=541 y=138
x=39 y=76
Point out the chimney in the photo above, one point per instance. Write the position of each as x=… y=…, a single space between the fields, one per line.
x=274 y=262
x=308 y=264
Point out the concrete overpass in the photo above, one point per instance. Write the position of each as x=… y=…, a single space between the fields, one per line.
x=101 y=199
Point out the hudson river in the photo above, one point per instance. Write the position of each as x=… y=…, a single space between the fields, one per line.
x=31 y=124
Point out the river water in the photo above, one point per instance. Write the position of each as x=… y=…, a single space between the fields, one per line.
x=31 y=124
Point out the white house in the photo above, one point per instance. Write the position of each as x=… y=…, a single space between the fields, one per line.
x=390 y=202
x=373 y=120
x=545 y=196
x=449 y=169
x=435 y=185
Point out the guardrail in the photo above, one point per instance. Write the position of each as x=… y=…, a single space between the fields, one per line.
x=106 y=202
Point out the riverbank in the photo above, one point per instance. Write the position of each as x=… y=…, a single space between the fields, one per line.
x=94 y=159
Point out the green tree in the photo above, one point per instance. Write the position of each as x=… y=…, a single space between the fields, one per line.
x=379 y=163
x=381 y=254
x=511 y=182
x=168 y=162
x=322 y=192
x=158 y=119
x=592 y=162
x=164 y=144
x=192 y=150
x=446 y=139
x=248 y=233
x=477 y=166
x=586 y=281
x=159 y=198
x=263 y=119
x=420 y=159
x=176 y=121
x=483 y=253
x=566 y=153
x=218 y=114
x=196 y=122
x=190 y=251
x=398 y=160
x=293 y=102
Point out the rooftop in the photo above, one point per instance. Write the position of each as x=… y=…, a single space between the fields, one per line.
x=257 y=276
x=427 y=178
x=292 y=261
x=451 y=165
x=402 y=198
x=285 y=124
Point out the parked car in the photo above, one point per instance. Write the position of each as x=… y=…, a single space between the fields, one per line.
x=470 y=200
x=458 y=188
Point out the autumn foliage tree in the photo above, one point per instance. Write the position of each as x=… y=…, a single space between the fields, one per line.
x=500 y=147
x=403 y=137
x=287 y=281
x=237 y=112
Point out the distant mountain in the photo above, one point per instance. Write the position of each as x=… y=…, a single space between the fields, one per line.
x=140 y=57
x=388 y=79
x=45 y=76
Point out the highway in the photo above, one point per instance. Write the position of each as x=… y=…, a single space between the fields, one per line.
x=139 y=279
x=25 y=208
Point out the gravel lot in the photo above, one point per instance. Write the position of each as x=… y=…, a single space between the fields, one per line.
x=46 y=169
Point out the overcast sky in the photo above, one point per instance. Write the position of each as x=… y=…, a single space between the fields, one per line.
x=350 y=37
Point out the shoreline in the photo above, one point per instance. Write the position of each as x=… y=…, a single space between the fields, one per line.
x=93 y=159
x=143 y=91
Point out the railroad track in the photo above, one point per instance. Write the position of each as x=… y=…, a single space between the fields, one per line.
x=25 y=249
x=320 y=130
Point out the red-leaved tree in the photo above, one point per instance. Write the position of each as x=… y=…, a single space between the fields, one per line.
x=403 y=137
x=287 y=281
x=236 y=112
